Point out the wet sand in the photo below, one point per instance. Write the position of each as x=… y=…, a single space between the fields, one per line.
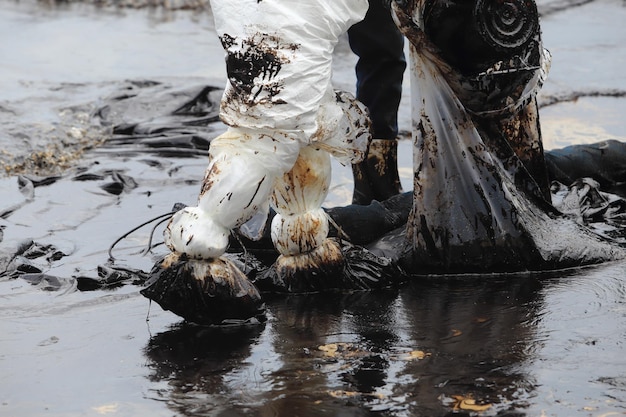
x=531 y=345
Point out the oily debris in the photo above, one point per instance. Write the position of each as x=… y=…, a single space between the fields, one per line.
x=341 y=349
x=344 y=350
x=65 y=143
x=467 y=403
x=139 y=4
x=52 y=160
x=414 y=355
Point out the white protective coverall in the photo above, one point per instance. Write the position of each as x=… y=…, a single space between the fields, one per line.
x=280 y=107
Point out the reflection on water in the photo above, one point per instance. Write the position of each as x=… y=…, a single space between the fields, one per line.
x=535 y=345
x=400 y=352
x=582 y=121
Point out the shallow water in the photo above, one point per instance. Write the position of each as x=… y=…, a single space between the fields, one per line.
x=531 y=345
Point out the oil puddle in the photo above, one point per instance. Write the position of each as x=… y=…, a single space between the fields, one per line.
x=494 y=346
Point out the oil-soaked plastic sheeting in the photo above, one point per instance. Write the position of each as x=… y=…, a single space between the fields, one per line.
x=476 y=207
x=604 y=161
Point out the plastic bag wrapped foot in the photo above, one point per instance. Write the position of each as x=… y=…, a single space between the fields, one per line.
x=331 y=266
x=204 y=292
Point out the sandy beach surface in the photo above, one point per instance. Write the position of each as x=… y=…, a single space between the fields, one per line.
x=90 y=148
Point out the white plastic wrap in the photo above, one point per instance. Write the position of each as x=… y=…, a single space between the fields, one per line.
x=343 y=128
x=300 y=224
x=244 y=165
x=457 y=179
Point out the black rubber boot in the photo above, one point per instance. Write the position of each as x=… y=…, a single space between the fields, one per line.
x=376 y=177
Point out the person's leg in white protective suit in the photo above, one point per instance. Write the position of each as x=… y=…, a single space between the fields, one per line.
x=284 y=118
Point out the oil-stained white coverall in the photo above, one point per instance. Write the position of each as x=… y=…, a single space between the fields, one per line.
x=280 y=108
